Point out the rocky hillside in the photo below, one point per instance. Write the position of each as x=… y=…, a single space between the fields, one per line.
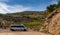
x=32 y=19
x=26 y=16
x=52 y=23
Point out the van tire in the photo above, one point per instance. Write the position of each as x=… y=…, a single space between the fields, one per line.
x=12 y=30
x=25 y=30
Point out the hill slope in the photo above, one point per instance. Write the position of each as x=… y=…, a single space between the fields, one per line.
x=52 y=23
x=32 y=19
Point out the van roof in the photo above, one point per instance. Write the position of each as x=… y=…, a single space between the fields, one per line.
x=17 y=25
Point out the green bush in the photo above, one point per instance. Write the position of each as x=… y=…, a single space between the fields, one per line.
x=46 y=31
x=33 y=25
x=4 y=26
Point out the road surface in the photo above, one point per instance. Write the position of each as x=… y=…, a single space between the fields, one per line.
x=23 y=33
x=8 y=32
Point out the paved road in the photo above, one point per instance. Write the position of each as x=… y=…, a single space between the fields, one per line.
x=8 y=32
x=23 y=33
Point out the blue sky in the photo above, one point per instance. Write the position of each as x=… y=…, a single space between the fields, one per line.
x=12 y=6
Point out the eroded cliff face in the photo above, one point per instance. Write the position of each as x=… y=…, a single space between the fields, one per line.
x=52 y=24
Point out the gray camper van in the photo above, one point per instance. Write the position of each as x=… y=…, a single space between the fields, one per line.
x=20 y=27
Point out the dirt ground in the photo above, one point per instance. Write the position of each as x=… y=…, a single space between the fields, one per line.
x=8 y=32
x=23 y=33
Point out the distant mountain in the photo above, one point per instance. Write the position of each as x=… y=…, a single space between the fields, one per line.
x=33 y=18
x=24 y=16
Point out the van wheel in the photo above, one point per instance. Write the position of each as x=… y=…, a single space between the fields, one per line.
x=12 y=30
x=25 y=30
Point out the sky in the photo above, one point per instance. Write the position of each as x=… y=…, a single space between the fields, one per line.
x=13 y=6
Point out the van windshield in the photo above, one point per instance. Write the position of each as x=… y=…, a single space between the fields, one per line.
x=17 y=26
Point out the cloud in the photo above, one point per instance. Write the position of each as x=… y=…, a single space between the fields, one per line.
x=4 y=0
x=54 y=1
x=5 y=8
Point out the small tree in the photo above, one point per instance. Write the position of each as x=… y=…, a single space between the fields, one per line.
x=51 y=7
x=58 y=5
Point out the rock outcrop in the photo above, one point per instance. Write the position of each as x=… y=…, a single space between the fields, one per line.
x=52 y=23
